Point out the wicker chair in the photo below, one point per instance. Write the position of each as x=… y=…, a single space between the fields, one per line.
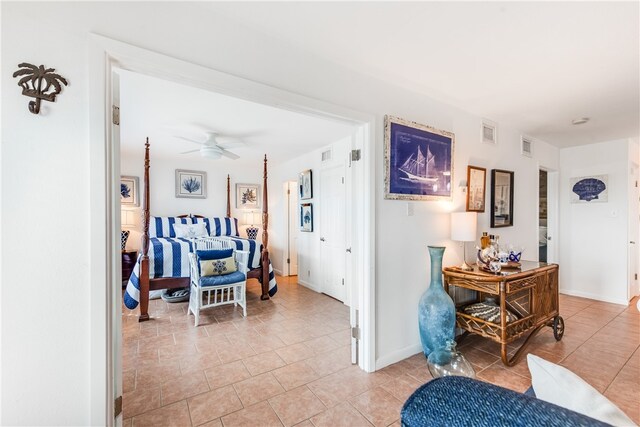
x=213 y=291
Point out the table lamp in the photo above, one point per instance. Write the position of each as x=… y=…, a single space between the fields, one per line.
x=249 y=218
x=128 y=222
x=463 y=229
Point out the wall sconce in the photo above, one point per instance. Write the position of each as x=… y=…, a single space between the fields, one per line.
x=37 y=82
x=463 y=185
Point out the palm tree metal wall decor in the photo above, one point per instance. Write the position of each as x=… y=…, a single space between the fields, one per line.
x=33 y=81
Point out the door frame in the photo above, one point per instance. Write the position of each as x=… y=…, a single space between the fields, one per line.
x=552 y=212
x=105 y=55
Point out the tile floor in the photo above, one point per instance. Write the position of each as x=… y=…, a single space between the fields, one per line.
x=288 y=363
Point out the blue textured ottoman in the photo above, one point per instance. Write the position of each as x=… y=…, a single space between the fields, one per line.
x=464 y=402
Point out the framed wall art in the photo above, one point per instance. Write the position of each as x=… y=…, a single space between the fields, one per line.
x=247 y=196
x=305 y=184
x=501 y=198
x=476 y=185
x=191 y=184
x=418 y=161
x=590 y=189
x=306 y=217
x=129 y=191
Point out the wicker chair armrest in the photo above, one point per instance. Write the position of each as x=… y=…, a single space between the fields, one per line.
x=193 y=267
x=242 y=258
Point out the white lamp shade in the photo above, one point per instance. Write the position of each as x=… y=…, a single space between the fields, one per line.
x=464 y=226
x=249 y=217
x=128 y=219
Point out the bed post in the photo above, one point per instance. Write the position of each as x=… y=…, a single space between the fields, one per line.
x=265 y=236
x=228 y=197
x=144 y=260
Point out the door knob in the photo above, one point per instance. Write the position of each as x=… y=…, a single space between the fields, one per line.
x=322 y=239
x=349 y=250
x=632 y=242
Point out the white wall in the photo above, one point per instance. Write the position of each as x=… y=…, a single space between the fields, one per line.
x=308 y=243
x=593 y=236
x=162 y=188
x=46 y=360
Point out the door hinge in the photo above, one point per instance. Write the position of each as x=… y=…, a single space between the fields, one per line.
x=342 y=282
x=355 y=332
x=343 y=179
x=115 y=115
x=636 y=276
x=117 y=407
x=356 y=155
x=288 y=191
x=288 y=261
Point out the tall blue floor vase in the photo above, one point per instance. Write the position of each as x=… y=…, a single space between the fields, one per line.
x=436 y=311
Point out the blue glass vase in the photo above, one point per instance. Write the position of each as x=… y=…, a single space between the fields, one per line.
x=436 y=311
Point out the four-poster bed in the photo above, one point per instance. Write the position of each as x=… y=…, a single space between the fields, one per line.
x=164 y=239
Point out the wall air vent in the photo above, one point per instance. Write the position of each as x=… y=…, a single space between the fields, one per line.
x=489 y=132
x=326 y=155
x=527 y=146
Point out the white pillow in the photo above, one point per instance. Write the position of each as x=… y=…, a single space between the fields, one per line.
x=190 y=231
x=560 y=386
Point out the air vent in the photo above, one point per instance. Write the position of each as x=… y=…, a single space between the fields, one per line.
x=527 y=146
x=489 y=132
x=326 y=155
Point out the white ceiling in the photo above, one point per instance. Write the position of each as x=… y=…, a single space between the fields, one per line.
x=163 y=110
x=534 y=65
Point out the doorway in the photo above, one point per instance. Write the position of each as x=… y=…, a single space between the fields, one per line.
x=542 y=216
x=332 y=231
x=290 y=254
x=105 y=56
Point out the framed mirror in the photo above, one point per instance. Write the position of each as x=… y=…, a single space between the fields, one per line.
x=501 y=198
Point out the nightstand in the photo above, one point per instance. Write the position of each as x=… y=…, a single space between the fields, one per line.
x=129 y=259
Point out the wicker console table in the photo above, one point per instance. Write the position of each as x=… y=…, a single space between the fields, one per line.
x=531 y=291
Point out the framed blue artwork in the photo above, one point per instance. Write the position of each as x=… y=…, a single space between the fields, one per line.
x=306 y=217
x=590 y=189
x=418 y=161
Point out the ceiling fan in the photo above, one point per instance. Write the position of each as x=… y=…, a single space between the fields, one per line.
x=211 y=149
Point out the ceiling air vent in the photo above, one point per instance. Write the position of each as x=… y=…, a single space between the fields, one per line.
x=326 y=155
x=489 y=132
x=527 y=146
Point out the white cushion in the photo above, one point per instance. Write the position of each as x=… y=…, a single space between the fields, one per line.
x=190 y=231
x=560 y=386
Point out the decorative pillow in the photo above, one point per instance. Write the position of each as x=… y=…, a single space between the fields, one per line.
x=489 y=312
x=213 y=254
x=220 y=226
x=163 y=226
x=560 y=386
x=190 y=231
x=217 y=267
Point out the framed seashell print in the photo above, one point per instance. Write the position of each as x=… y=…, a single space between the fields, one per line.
x=590 y=189
x=191 y=184
x=129 y=191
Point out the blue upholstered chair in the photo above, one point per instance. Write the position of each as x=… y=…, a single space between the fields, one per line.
x=219 y=288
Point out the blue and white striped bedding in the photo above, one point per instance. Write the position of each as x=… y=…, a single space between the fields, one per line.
x=162 y=226
x=168 y=257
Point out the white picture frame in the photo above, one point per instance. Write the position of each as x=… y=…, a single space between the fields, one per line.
x=248 y=196
x=191 y=184
x=129 y=190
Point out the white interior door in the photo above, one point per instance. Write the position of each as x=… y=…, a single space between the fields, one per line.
x=634 y=230
x=332 y=231
x=293 y=228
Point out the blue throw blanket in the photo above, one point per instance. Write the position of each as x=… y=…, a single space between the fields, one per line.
x=168 y=257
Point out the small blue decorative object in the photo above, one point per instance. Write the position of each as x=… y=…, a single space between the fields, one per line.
x=436 y=311
x=515 y=257
x=588 y=189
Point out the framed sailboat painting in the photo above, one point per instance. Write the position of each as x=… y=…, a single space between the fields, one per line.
x=418 y=161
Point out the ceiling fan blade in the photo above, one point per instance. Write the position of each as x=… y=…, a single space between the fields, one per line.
x=190 y=140
x=191 y=151
x=232 y=144
x=229 y=154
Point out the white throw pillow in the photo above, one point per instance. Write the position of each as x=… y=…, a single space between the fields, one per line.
x=560 y=386
x=190 y=231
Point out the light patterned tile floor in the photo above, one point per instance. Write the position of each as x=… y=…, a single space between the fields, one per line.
x=288 y=363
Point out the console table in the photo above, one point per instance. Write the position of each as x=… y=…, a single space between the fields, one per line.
x=531 y=291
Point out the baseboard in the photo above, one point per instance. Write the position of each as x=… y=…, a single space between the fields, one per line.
x=593 y=297
x=308 y=285
x=398 y=355
x=278 y=272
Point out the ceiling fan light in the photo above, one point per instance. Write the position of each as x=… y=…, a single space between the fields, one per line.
x=210 y=152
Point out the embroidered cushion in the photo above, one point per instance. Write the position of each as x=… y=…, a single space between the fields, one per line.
x=210 y=254
x=226 y=279
x=190 y=231
x=217 y=267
